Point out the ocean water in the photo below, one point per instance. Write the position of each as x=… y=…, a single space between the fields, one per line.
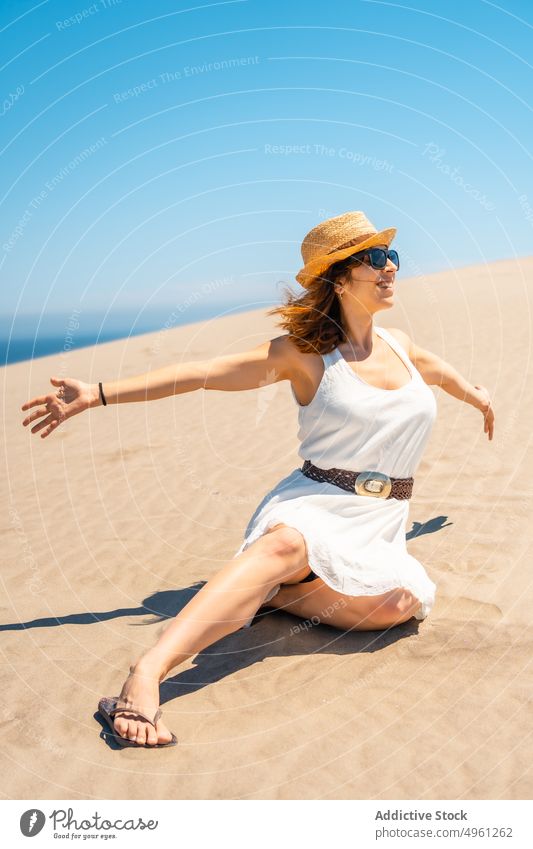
x=29 y=336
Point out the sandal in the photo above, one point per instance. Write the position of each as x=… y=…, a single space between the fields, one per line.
x=108 y=706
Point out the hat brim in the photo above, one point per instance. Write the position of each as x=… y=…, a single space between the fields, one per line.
x=317 y=266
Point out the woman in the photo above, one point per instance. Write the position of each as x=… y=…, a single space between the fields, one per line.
x=328 y=542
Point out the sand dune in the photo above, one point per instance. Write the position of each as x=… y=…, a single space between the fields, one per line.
x=113 y=522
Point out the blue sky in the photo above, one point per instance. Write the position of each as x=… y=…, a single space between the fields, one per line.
x=177 y=153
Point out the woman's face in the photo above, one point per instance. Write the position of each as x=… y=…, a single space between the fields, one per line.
x=372 y=288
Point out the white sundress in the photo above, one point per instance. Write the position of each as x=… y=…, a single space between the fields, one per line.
x=356 y=543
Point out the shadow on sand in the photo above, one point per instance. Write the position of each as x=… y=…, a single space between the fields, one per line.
x=274 y=633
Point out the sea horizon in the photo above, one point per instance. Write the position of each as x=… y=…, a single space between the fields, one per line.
x=30 y=336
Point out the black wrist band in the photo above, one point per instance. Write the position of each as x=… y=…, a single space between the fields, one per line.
x=102 y=396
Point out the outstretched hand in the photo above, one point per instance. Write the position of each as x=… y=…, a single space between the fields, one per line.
x=486 y=409
x=72 y=397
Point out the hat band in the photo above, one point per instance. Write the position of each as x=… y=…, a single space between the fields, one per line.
x=352 y=243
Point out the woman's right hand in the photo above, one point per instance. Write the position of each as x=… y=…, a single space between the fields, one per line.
x=485 y=406
x=72 y=397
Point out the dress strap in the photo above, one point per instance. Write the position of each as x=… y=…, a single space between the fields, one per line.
x=332 y=357
x=393 y=342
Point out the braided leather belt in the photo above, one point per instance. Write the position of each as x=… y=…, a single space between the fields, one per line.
x=371 y=483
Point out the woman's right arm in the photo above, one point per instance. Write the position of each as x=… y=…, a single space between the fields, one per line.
x=269 y=362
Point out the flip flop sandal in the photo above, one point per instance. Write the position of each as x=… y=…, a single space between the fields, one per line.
x=108 y=706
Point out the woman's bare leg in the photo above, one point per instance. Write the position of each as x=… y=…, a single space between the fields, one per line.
x=315 y=601
x=222 y=606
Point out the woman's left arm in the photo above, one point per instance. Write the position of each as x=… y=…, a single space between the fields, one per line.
x=437 y=372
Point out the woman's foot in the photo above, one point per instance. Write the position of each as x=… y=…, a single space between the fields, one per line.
x=141 y=689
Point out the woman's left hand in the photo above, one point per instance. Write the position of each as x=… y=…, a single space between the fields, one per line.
x=486 y=409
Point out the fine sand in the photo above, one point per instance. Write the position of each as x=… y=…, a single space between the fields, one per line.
x=113 y=522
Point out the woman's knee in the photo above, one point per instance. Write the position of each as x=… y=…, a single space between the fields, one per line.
x=394 y=607
x=285 y=542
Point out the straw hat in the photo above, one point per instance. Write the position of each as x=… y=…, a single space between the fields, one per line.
x=335 y=239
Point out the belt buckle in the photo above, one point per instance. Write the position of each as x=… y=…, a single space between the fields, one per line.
x=376 y=484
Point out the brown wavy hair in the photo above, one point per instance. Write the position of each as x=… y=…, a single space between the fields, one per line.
x=314 y=319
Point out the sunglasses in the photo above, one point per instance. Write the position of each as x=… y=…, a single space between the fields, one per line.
x=378 y=257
